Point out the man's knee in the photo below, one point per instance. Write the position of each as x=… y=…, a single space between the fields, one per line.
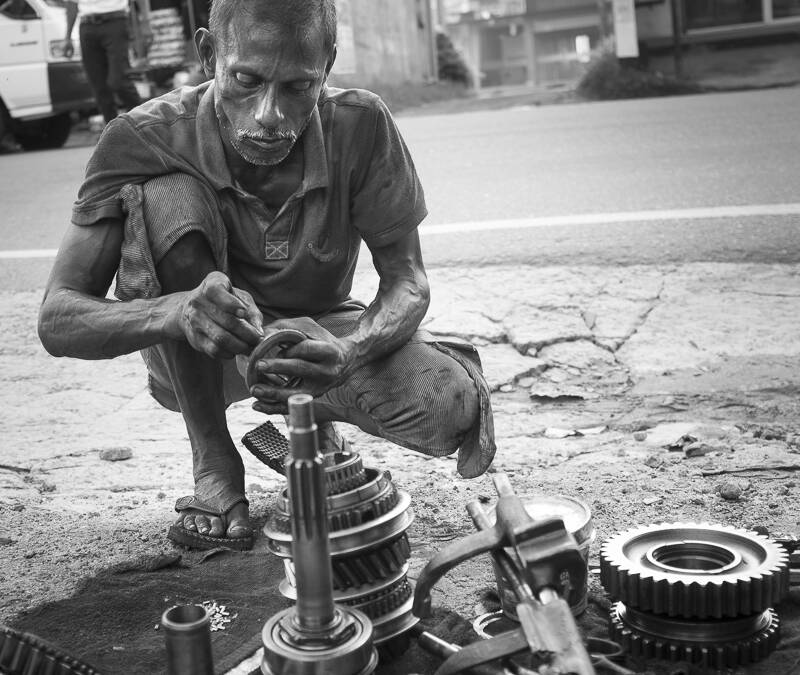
x=458 y=403
x=447 y=406
x=184 y=228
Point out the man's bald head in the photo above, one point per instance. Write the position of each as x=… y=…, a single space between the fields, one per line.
x=295 y=16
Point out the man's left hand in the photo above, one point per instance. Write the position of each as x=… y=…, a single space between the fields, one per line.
x=319 y=361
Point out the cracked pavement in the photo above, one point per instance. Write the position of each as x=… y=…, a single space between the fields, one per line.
x=593 y=371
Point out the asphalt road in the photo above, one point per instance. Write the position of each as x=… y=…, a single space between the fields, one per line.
x=651 y=160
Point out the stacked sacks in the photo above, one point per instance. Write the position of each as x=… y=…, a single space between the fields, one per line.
x=168 y=48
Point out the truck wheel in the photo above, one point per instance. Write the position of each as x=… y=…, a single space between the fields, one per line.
x=48 y=132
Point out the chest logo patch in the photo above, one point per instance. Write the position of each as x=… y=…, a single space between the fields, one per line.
x=276 y=250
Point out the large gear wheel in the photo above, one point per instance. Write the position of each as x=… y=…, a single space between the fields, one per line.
x=694 y=570
x=710 y=644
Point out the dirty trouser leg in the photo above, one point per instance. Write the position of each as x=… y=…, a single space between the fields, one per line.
x=419 y=397
x=429 y=396
x=172 y=232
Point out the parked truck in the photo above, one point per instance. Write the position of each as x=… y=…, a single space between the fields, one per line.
x=40 y=87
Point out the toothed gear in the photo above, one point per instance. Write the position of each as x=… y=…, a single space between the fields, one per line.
x=694 y=570
x=369 y=567
x=25 y=653
x=711 y=644
x=345 y=473
x=376 y=605
x=368 y=501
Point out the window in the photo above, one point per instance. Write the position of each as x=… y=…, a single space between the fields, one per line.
x=17 y=9
x=782 y=9
x=710 y=13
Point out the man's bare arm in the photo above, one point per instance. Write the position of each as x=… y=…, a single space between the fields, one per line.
x=324 y=361
x=77 y=320
x=399 y=306
x=71 y=7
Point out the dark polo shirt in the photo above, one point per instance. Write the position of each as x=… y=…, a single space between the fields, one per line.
x=359 y=182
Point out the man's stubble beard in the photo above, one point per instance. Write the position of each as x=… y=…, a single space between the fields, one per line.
x=235 y=135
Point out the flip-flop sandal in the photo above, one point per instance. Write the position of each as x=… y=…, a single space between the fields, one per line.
x=192 y=539
x=26 y=653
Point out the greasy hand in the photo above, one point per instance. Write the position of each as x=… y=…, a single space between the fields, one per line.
x=320 y=361
x=219 y=320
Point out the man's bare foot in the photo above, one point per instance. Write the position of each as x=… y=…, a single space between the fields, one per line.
x=218 y=507
x=233 y=524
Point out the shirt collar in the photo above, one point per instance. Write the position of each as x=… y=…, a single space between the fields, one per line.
x=212 y=151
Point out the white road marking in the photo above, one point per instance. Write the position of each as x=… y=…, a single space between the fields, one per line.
x=584 y=219
x=577 y=220
x=24 y=254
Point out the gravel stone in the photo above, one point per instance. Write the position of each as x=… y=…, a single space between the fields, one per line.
x=116 y=454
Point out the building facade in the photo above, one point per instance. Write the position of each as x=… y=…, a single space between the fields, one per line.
x=525 y=42
x=540 y=43
x=384 y=42
x=703 y=21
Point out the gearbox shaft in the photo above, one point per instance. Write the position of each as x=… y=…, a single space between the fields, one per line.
x=316 y=636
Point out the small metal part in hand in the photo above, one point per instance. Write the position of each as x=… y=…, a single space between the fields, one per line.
x=272 y=347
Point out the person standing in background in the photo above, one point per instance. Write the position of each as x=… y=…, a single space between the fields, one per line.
x=104 y=41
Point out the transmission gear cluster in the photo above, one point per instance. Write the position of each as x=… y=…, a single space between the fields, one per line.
x=695 y=592
x=367 y=519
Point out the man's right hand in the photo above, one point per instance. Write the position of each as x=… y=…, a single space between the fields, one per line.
x=219 y=320
x=69 y=49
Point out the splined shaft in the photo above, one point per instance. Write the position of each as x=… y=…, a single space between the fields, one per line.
x=316 y=636
x=309 y=521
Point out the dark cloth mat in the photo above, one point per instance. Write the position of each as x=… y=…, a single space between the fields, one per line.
x=110 y=620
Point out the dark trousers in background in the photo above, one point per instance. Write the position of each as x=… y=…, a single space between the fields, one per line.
x=104 y=46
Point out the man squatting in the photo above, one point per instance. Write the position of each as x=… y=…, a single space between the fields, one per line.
x=240 y=205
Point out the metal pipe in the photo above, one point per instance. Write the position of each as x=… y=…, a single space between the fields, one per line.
x=501 y=558
x=310 y=544
x=444 y=650
x=188 y=636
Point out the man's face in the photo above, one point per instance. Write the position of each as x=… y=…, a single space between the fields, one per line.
x=267 y=82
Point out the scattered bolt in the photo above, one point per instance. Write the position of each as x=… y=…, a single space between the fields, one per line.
x=219 y=616
x=639 y=435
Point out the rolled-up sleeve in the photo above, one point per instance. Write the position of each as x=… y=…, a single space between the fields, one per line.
x=121 y=157
x=387 y=201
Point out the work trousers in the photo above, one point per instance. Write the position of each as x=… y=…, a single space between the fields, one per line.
x=429 y=395
x=104 y=47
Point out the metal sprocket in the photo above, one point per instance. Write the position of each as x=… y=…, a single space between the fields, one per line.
x=713 y=644
x=694 y=570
